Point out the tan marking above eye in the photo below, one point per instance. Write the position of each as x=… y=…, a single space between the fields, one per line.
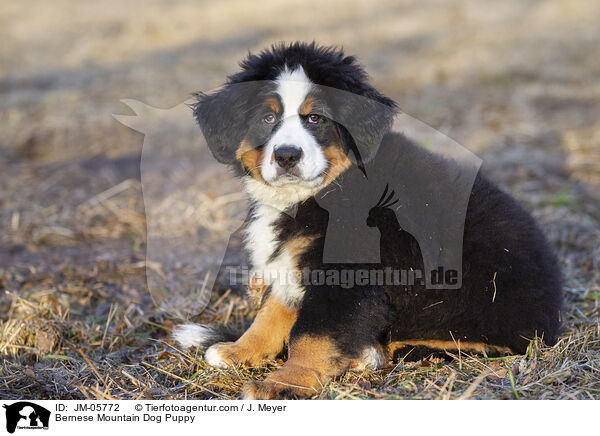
x=273 y=104
x=307 y=106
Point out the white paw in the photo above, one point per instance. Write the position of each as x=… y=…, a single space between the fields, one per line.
x=214 y=358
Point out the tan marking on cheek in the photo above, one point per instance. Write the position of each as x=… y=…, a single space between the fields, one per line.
x=273 y=104
x=250 y=158
x=307 y=106
x=467 y=347
x=337 y=161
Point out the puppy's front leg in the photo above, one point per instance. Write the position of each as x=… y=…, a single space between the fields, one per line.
x=264 y=339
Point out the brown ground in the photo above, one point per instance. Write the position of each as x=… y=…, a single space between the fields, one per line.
x=516 y=82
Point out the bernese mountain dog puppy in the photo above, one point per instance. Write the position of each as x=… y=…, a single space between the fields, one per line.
x=292 y=141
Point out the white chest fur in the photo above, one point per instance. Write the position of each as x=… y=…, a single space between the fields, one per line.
x=281 y=273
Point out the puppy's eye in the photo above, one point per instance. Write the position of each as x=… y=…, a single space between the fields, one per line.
x=313 y=118
x=269 y=118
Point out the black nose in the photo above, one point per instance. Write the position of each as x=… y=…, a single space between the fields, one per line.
x=287 y=157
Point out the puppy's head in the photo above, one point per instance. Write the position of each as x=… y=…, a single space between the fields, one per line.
x=295 y=117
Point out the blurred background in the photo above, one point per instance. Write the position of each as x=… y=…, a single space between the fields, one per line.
x=516 y=82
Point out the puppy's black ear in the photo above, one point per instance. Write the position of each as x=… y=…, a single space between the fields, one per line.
x=363 y=119
x=223 y=118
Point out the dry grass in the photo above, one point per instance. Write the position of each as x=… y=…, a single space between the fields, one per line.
x=128 y=356
x=517 y=84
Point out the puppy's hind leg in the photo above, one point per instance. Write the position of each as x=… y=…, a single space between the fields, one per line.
x=312 y=362
x=412 y=350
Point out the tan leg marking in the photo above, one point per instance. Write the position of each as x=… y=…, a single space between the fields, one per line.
x=264 y=339
x=467 y=347
x=312 y=362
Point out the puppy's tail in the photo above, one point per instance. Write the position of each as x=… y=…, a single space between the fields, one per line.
x=202 y=336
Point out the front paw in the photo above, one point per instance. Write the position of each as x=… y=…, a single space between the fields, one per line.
x=226 y=354
x=221 y=355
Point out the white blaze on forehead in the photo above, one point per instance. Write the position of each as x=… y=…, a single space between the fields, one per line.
x=293 y=88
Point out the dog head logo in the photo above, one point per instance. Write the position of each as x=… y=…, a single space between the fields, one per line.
x=26 y=415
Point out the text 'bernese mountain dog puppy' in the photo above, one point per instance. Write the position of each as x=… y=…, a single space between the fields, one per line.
x=295 y=143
